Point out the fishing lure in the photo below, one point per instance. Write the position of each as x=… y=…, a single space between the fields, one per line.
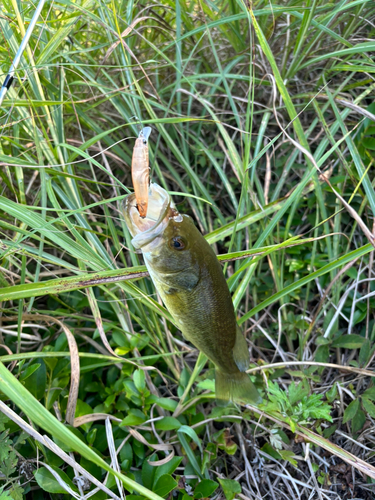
x=141 y=171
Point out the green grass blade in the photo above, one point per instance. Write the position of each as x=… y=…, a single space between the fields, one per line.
x=298 y=284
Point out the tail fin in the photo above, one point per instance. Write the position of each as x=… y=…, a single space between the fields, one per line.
x=235 y=387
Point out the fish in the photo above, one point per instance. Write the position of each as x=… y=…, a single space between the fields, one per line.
x=189 y=278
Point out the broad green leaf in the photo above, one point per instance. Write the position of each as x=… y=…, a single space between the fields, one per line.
x=36 y=382
x=49 y=483
x=369 y=393
x=358 y=421
x=352 y=341
x=165 y=485
x=351 y=411
x=135 y=417
x=267 y=448
x=207 y=384
x=332 y=393
x=230 y=488
x=369 y=407
x=139 y=379
x=148 y=472
x=167 y=404
x=289 y=456
x=225 y=442
x=167 y=468
x=168 y=424
x=365 y=353
x=126 y=454
x=205 y=488
x=29 y=371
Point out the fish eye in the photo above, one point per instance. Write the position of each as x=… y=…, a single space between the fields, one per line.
x=177 y=243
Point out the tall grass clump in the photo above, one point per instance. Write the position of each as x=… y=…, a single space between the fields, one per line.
x=263 y=130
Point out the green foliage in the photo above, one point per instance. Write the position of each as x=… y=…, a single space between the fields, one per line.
x=358 y=408
x=224 y=440
x=159 y=479
x=205 y=488
x=4 y=495
x=164 y=485
x=296 y=406
x=49 y=483
x=8 y=459
x=230 y=488
x=349 y=341
x=8 y=462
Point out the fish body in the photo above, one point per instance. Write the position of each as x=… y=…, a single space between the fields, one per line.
x=190 y=281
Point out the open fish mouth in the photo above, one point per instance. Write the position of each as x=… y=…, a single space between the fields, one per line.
x=147 y=231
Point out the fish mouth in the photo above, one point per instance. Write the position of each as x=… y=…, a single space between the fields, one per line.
x=147 y=231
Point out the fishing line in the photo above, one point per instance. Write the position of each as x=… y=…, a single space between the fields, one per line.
x=139 y=123
x=129 y=73
x=131 y=79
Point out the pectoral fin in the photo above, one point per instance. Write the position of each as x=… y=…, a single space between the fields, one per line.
x=178 y=282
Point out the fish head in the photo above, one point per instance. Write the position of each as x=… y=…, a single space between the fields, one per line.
x=167 y=239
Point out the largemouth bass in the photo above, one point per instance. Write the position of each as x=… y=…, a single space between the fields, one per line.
x=190 y=281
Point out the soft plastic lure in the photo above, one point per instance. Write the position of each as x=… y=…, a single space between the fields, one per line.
x=141 y=171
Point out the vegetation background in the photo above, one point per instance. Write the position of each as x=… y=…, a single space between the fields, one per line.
x=264 y=131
